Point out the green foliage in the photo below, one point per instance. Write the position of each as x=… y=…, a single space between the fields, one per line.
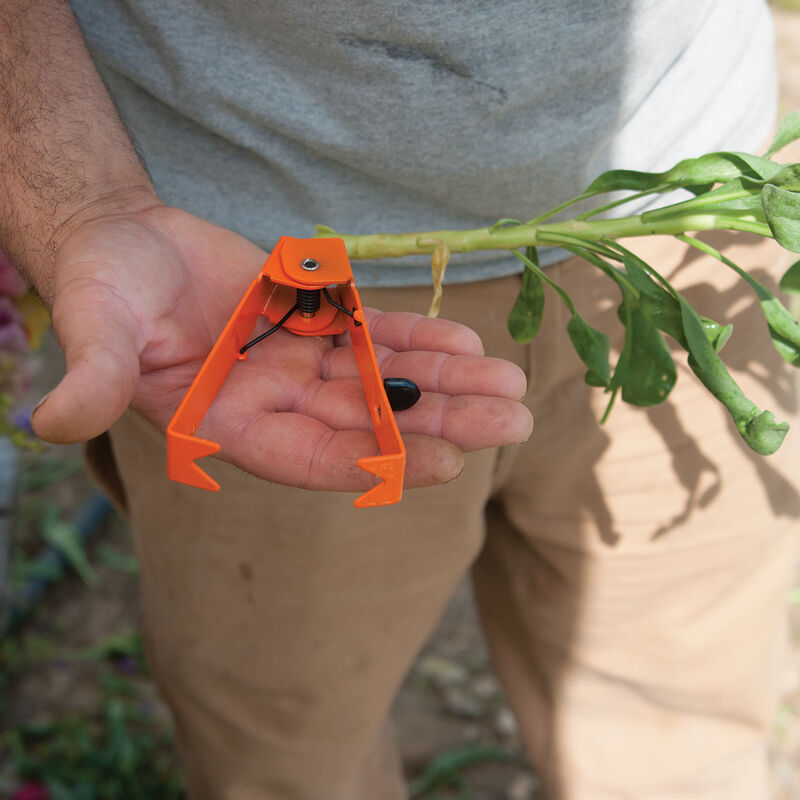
x=783 y=328
x=525 y=317
x=788 y=131
x=731 y=190
x=782 y=211
x=116 y=754
x=645 y=371
x=758 y=428
x=790 y=282
x=723 y=191
x=445 y=769
x=591 y=345
x=117 y=644
x=111 y=557
x=65 y=537
x=42 y=473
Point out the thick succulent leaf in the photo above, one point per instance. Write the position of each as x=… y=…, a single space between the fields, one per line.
x=782 y=210
x=790 y=282
x=593 y=347
x=787 y=177
x=694 y=174
x=662 y=309
x=716 y=333
x=525 y=317
x=783 y=328
x=788 y=131
x=758 y=428
x=645 y=371
x=719 y=168
x=657 y=305
x=625 y=179
x=763 y=433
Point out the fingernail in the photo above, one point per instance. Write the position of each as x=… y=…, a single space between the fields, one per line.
x=40 y=404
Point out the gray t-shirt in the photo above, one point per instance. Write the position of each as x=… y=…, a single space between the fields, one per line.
x=267 y=116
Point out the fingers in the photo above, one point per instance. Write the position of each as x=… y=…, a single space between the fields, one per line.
x=290 y=449
x=471 y=422
x=403 y=330
x=437 y=372
x=97 y=337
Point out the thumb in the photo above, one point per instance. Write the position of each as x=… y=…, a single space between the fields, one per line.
x=102 y=371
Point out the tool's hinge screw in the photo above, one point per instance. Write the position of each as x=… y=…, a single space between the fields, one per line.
x=309 y=264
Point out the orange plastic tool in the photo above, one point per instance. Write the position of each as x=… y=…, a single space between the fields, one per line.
x=306 y=287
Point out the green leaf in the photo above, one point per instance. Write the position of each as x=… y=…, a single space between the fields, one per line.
x=65 y=537
x=719 y=168
x=658 y=306
x=716 y=333
x=758 y=428
x=111 y=557
x=504 y=223
x=691 y=173
x=645 y=371
x=699 y=188
x=126 y=644
x=36 y=571
x=783 y=328
x=525 y=317
x=788 y=177
x=620 y=179
x=45 y=472
x=782 y=210
x=790 y=282
x=661 y=307
x=764 y=434
x=447 y=766
x=593 y=347
x=788 y=131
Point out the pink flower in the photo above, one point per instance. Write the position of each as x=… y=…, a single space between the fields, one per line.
x=13 y=337
x=31 y=790
x=10 y=281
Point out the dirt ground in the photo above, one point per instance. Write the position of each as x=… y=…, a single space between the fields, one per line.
x=451 y=699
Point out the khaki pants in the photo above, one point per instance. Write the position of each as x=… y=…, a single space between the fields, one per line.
x=631 y=578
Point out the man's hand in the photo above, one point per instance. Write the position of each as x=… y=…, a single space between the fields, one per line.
x=140 y=292
x=139 y=299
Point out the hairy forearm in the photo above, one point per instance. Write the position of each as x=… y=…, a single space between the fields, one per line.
x=65 y=156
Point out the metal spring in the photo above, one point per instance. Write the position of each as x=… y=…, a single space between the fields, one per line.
x=308 y=301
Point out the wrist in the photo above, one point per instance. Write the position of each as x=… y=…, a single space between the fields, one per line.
x=121 y=200
x=124 y=199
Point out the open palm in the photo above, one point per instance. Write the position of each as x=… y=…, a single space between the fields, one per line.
x=140 y=299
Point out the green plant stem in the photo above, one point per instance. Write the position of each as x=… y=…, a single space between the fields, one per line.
x=395 y=245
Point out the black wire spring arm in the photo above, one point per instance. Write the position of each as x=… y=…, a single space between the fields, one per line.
x=277 y=326
x=340 y=307
x=306 y=301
